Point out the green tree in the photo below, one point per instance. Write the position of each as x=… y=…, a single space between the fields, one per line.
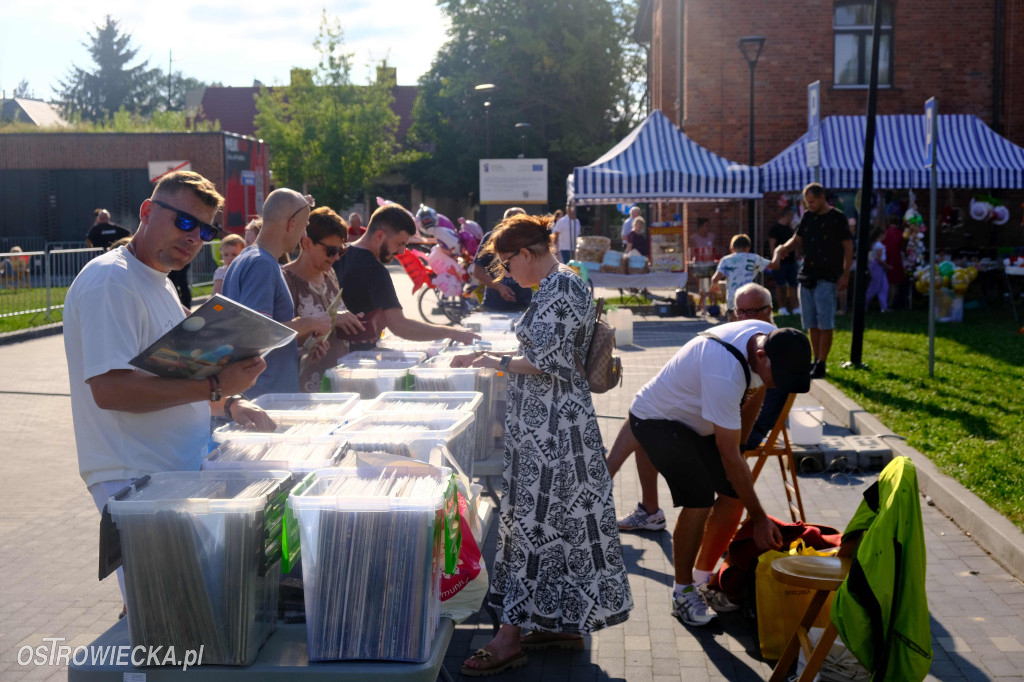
x=96 y=95
x=328 y=136
x=569 y=68
x=22 y=91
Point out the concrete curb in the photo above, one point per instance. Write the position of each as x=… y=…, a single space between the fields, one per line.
x=8 y=338
x=991 y=530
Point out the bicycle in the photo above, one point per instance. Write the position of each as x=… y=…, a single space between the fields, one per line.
x=434 y=307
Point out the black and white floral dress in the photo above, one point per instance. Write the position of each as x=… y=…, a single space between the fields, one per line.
x=558 y=566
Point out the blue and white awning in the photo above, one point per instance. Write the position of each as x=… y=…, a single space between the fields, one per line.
x=658 y=162
x=971 y=155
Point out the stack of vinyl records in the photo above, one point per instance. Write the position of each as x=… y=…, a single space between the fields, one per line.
x=430 y=348
x=200 y=551
x=415 y=435
x=292 y=408
x=438 y=375
x=370 y=373
x=287 y=430
x=372 y=543
x=402 y=402
x=281 y=455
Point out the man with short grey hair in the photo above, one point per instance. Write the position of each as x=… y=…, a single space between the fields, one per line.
x=255 y=280
x=627 y=225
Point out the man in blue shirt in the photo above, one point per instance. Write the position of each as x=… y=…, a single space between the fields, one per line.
x=255 y=280
x=504 y=295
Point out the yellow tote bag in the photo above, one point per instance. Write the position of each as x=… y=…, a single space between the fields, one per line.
x=779 y=606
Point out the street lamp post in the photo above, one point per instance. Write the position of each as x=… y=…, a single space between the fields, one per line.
x=486 y=87
x=750 y=47
x=522 y=137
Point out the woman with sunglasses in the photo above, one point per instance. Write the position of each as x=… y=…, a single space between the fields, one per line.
x=314 y=286
x=558 y=570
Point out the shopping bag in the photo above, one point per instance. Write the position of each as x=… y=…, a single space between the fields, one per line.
x=780 y=607
x=467 y=566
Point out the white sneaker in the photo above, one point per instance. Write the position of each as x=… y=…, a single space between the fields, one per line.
x=783 y=310
x=717 y=599
x=691 y=609
x=639 y=519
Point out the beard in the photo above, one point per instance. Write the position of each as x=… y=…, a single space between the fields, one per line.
x=386 y=255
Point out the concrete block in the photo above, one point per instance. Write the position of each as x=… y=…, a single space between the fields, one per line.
x=837 y=453
x=808 y=458
x=872 y=453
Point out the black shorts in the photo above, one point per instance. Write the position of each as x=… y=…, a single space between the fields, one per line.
x=689 y=462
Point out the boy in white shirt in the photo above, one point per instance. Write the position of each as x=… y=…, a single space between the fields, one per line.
x=738 y=268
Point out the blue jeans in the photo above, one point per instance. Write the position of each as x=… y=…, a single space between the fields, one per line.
x=566 y=255
x=818 y=305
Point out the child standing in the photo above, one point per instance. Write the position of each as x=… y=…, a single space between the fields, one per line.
x=877 y=267
x=738 y=268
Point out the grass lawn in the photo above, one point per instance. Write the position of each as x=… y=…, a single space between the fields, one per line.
x=967 y=419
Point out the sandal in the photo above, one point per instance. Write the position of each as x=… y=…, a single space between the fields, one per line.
x=490 y=666
x=551 y=640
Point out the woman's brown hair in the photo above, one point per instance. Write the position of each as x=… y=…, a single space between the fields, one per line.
x=324 y=223
x=530 y=232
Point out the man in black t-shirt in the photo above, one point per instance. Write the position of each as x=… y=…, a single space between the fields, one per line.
x=824 y=236
x=784 y=275
x=103 y=233
x=366 y=285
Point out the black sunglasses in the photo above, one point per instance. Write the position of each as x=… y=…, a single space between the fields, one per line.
x=310 y=202
x=186 y=222
x=505 y=263
x=331 y=251
x=750 y=312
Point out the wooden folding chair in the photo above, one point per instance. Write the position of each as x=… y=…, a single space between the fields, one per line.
x=771 y=447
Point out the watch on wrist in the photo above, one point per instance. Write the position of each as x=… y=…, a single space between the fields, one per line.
x=228 y=403
x=503 y=363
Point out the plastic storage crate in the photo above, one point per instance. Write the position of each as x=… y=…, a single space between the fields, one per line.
x=414 y=434
x=399 y=402
x=293 y=408
x=370 y=373
x=200 y=551
x=372 y=558
x=437 y=375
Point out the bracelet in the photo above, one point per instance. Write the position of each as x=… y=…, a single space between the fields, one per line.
x=215 y=394
x=232 y=399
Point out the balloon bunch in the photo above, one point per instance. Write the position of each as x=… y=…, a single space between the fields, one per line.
x=945 y=276
x=913 y=233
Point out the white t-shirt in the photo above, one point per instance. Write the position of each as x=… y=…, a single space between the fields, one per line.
x=567 y=233
x=116 y=307
x=739 y=269
x=703 y=383
x=627 y=227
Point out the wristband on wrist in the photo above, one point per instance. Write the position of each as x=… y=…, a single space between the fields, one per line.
x=503 y=363
x=232 y=399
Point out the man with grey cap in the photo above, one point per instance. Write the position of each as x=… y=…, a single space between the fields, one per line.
x=690 y=419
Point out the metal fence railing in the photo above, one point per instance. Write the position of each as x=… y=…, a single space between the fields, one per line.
x=36 y=282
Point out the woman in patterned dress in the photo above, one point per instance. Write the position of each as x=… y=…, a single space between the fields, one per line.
x=558 y=569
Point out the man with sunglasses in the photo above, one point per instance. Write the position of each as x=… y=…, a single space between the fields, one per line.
x=366 y=285
x=129 y=423
x=255 y=280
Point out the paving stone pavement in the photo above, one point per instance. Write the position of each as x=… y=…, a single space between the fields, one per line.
x=48 y=539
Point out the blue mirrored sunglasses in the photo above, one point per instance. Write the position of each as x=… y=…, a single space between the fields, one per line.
x=187 y=222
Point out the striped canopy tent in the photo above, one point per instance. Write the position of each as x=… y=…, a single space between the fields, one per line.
x=971 y=155
x=658 y=162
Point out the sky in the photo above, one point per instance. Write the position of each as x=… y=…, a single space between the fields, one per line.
x=224 y=41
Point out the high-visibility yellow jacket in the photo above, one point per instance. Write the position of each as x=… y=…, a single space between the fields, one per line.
x=881 y=609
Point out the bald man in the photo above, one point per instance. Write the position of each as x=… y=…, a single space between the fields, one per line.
x=255 y=280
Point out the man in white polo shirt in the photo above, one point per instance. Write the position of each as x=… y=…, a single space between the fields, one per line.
x=689 y=419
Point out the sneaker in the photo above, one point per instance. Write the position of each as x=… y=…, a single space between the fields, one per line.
x=783 y=310
x=717 y=600
x=641 y=520
x=795 y=311
x=691 y=609
x=818 y=370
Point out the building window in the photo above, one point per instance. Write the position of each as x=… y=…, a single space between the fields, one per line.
x=852 y=24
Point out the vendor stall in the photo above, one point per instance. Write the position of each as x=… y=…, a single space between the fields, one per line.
x=655 y=163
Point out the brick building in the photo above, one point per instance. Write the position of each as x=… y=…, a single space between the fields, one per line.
x=967 y=53
x=50 y=183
